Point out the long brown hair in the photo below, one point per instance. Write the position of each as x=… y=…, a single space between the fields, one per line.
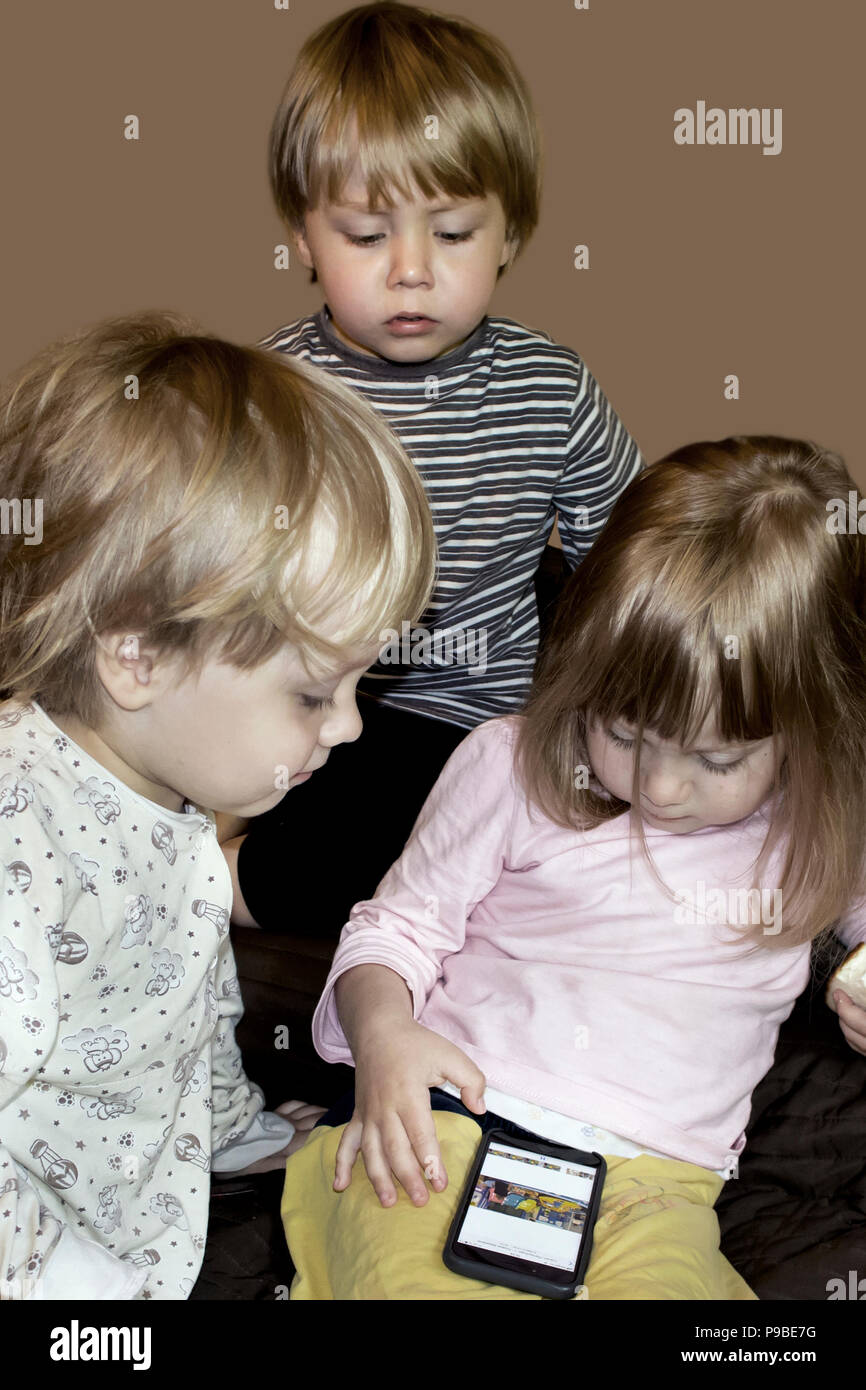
x=719 y=590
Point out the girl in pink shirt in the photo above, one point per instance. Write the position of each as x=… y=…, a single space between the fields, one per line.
x=606 y=907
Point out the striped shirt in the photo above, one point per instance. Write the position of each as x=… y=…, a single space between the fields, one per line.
x=508 y=430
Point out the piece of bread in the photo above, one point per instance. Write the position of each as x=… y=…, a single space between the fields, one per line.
x=851 y=977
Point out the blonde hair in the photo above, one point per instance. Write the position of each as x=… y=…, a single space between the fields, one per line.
x=719 y=541
x=221 y=499
x=364 y=87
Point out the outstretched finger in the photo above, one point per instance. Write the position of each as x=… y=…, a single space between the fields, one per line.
x=425 y=1146
x=383 y=1166
x=347 y=1152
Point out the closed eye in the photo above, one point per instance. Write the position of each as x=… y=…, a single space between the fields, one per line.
x=317 y=701
x=618 y=740
x=450 y=238
x=720 y=769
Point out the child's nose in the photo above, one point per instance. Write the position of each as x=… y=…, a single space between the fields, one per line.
x=410 y=260
x=343 y=724
x=664 y=785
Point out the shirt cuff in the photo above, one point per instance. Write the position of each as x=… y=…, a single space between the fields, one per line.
x=267 y=1134
x=81 y=1269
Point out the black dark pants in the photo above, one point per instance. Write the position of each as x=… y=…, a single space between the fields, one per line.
x=342 y=1112
x=331 y=840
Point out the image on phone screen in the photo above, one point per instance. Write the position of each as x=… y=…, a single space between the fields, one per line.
x=528 y=1207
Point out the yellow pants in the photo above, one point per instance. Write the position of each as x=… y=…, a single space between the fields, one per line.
x=656 y=1237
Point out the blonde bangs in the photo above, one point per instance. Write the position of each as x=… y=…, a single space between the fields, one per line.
x=239 y=501
x=366 y=564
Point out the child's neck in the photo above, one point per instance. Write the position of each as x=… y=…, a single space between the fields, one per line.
x=103 y=752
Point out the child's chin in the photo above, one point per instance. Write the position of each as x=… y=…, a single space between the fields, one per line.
x=680 y=826
x=257 y=808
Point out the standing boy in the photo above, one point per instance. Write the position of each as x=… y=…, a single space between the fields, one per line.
x=405 y=158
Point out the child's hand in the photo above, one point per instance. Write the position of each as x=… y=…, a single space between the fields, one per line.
x=393 y=1124
x=852 y=1021
x=303 y=1117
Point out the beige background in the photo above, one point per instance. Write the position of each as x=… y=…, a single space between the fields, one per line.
x=704 y=261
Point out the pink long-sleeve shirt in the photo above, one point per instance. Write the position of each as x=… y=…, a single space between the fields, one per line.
x=555 y=960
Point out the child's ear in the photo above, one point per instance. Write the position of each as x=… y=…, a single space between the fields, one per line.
x=305 y=255
x=509 y=251
x=128 y=669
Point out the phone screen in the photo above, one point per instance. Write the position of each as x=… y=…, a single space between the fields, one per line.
x=528 y=1208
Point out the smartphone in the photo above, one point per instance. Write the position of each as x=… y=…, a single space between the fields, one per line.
x=526 y=1215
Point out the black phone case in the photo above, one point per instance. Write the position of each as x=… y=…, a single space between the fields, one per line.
x=512 y=1278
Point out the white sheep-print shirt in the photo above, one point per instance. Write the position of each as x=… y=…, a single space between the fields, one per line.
x=120 y=1077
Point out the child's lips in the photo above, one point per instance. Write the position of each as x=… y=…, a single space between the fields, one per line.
x=403 y=327
x=308 y=771
x=657 y=815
